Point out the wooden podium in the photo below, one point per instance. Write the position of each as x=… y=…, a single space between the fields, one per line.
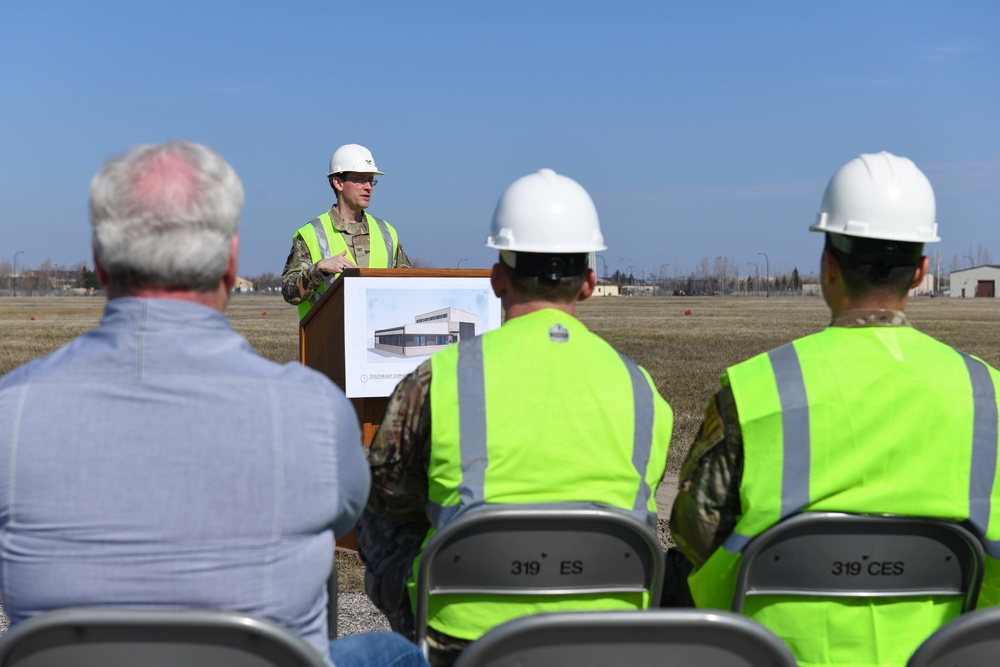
x=322 y=344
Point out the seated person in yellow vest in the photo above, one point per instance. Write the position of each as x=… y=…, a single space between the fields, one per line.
x=344 y=237
x=564 y=418
x=868 y=416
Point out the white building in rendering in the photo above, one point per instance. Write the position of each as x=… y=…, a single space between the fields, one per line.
x=429 y=333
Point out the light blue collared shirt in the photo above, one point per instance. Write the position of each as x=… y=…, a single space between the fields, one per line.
x=158 y=461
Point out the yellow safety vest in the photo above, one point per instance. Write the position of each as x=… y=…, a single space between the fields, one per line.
x=324 y=241
x=518 y=416
x=877 y=420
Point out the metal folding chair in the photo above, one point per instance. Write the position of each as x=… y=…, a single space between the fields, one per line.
x=539 y=550
x=829 y=554
x=654 y=637
x=971 y=640
x=95 y=637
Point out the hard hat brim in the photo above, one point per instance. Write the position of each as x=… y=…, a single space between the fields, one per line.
x=881 y=235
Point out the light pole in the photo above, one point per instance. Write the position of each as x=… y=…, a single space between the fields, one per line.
x=14 y=278
x=767 y=277
x=464 y=259
x=620 y=270
x=605 y=265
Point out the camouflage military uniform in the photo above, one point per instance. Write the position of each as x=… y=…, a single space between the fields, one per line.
x=394 y=525
x=300 y=278
x=708 y=506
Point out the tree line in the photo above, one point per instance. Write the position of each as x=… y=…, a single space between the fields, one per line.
x=47 y=278
x=719 y=276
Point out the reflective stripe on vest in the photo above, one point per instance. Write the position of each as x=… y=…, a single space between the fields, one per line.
x=472 y=435
x=324 y=250
x=796 y=445
x=386 y=239
x=642 y=439
x=984 y=450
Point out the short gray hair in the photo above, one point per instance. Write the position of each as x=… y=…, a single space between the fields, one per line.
x=164 y=216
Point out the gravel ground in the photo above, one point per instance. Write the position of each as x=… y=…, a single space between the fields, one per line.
x=356 y=614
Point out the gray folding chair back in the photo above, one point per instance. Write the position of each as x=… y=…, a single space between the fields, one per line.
x=539 y=550
x=609 y=639
x=93 y=637
x=971 y=640
x=829 y=554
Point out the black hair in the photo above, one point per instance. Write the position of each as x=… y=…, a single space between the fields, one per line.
x=547 y=276
x=875 y=265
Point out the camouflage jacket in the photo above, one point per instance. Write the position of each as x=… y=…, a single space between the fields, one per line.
x=400 y=452
x=707 y=506
x=300 y=278
x=392 y=528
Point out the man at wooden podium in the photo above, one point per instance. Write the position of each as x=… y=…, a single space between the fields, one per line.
x=344 y=237
x=560 y=417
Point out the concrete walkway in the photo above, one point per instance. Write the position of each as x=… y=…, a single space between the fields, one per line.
x=665 y=494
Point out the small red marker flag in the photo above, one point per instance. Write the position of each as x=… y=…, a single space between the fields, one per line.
x=687 y=312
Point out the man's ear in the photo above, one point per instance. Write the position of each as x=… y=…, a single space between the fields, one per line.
x=922 y=268
x=102 y=275
x=229 y=277
x=830 y=269
x=498 y=280
x=589 y=285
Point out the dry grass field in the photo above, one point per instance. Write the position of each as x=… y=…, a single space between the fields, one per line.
x=685 y=354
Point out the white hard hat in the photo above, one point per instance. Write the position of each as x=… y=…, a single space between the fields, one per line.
x=353 y=157
x=879 y=196
x=545 y=212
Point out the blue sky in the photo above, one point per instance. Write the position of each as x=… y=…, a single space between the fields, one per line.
x=700 y=129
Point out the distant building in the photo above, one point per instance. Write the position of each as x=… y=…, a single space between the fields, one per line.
x=429 y=333
x=242 y=285
x=979 y=281
x=925 y=288
x=812 y=289
x=637 y=290
x=605 y=288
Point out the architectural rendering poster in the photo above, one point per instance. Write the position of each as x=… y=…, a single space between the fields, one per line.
x=392 y=325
